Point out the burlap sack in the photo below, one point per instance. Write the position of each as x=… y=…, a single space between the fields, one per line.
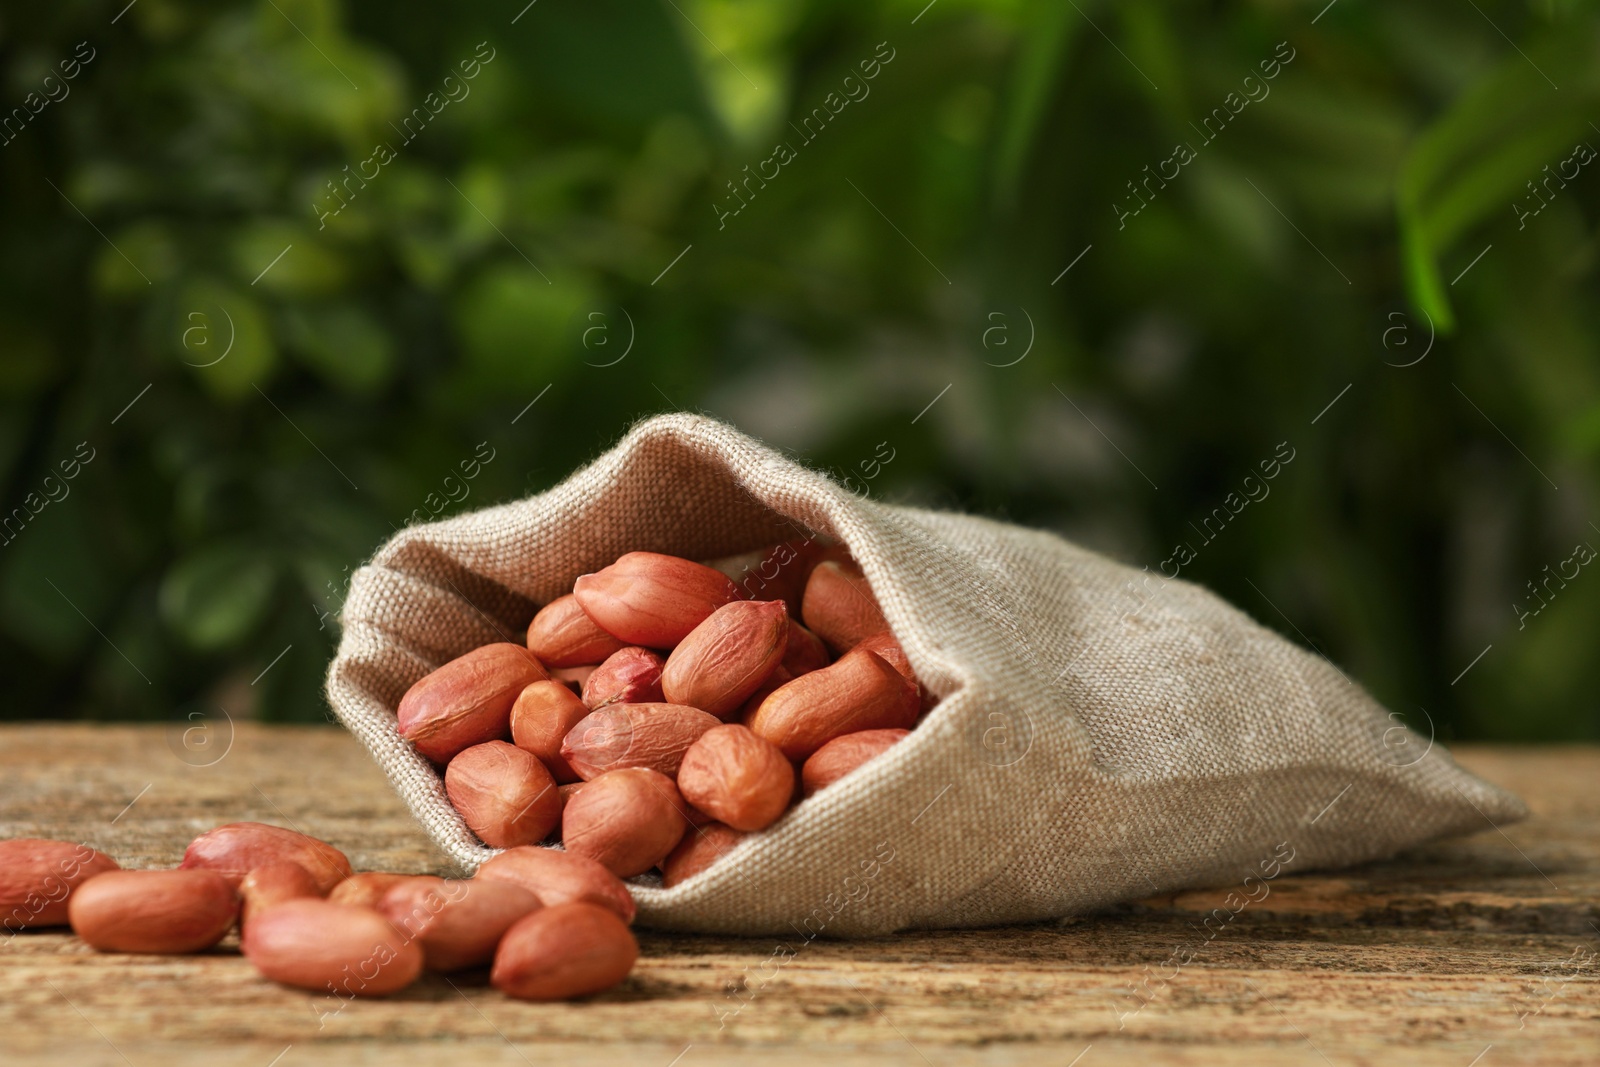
x=1103 y=734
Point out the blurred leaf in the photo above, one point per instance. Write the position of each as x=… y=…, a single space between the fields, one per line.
x=345 y=346
x=218 y=595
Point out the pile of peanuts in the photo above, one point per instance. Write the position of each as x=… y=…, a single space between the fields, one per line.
x=660 y=713
x=553 y=925
x=657 y=715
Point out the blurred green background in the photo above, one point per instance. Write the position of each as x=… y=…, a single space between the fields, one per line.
x=242 y=344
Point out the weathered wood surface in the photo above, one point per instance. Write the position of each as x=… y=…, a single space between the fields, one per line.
x=1473 y=953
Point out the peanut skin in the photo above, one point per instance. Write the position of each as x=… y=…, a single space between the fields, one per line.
x=504 y=795
x=238 y=848
x=332 y=948
x=561 y=635
x=844 y=754
x=564 y=951
x=726 y=658
x=153 y=911
x=651 y=599
x=737 y=778
x=468 y=700
x=37 y=877
x=859 y=692
x=559 y=878
x=626 y=821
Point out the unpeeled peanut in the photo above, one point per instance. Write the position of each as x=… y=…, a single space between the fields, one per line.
x=634 y=735
x=629 y=676
x=839 y=606
x=859 y=692
x=468 y=700
x=559 y=878
x=650 y=599
x=271 y=884
x=737 y=777
x=457 y=923
x=625 y=820
x=699 y=849
x=37 y=877
x=564 y=951
x=727 y=657
x=503 y=794
x=340 y=948
x=562 y=635
x=844 y=754
x=153 y=911
x=238 y=848
x=543 y=715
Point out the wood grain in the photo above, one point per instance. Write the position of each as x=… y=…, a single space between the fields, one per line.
x=1482 y=951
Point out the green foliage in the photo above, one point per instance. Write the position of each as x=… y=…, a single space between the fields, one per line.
x=290 y=270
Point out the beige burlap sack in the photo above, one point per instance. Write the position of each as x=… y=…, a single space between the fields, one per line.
x=1103 y=734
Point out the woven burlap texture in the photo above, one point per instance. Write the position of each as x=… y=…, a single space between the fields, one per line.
x=1103 y=734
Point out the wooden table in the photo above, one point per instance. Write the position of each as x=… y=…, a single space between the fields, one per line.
x=1473 y=953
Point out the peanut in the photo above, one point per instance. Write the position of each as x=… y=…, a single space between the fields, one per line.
x=564 y=951
x=805 y=652
x=561 y=635
x=574 y=677
x=364 y=890
x=625 y=820
x=153 y=911
x=839 y=606
x=844 y=754
x=503 y=794
x=737 y=778
x=468 y=700
x=889 y=650
x=650 y=599
x=543 y=715
x=726 y=658
x=37 y=877
x=698 y=850
x=630 y=676
x=342 y=949
x=859 y=692
x=271 y=884
x=634 y=735
x=458 y=924
x=559 y=878
x=238 y=848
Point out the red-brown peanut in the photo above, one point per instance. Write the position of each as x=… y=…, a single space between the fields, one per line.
x=634 y=735
x=38 y=876
x=698 y=850
x=844 y=754
x=629 y=676
x=727 y=657
x=270 y=885
x=625 y=820
x=468 y=700
x=736 y=777
x=839 y=606
x=503 y=794
x=543 y=715
x=238 y=848
x=153 y=911
x=559 y=878
x=562 y=635
x=650 y=599
x=340 y=949
x=859 y=692
x=457 y=923
x=564 y=951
